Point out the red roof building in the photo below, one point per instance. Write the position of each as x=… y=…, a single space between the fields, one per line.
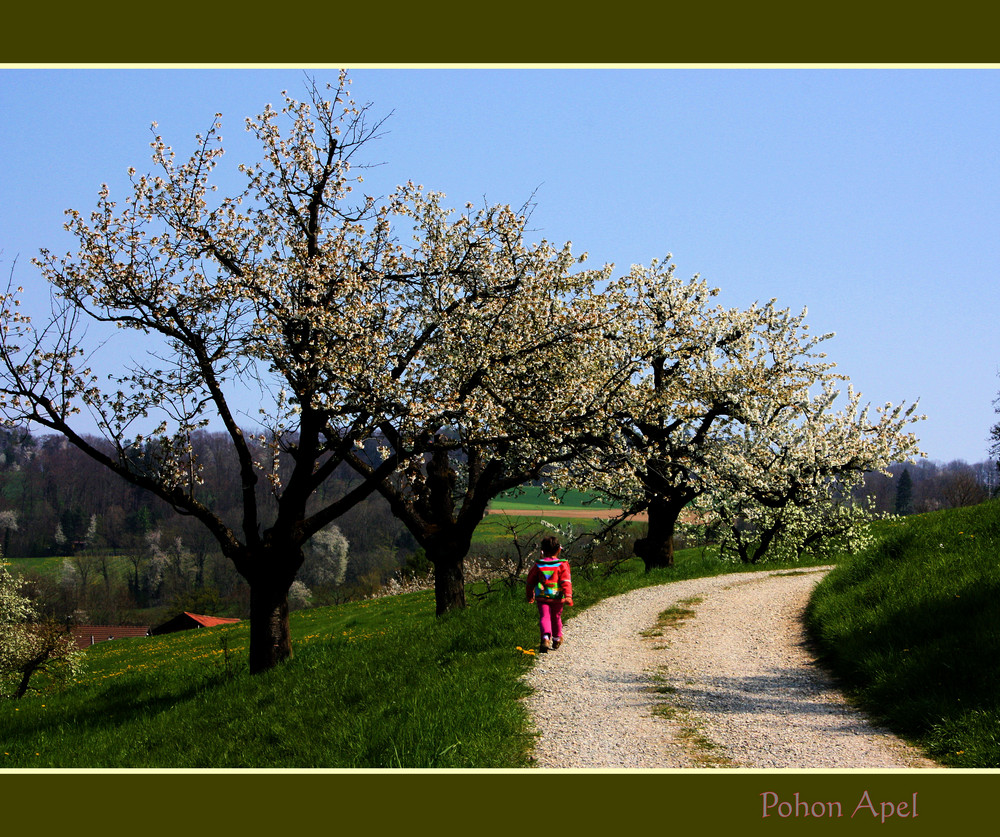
x=186 y=621
x=87 y=635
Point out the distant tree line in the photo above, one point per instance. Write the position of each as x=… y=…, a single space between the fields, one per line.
x=56 y=501
x=124 y=549
x=925 y=486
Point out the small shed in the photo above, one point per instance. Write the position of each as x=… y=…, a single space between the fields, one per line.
x=87 y=635
x=185 y=621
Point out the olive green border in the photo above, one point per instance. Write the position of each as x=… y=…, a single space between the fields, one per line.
x=393 y=32
x=445 y=802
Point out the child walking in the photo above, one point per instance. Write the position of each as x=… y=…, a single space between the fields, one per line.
x=550 y=586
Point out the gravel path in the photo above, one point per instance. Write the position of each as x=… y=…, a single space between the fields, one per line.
x=730 y=686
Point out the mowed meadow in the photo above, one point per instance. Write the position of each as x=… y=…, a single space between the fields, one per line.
x=383 y=683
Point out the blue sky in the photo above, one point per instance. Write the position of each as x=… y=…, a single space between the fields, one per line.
x=870 y=195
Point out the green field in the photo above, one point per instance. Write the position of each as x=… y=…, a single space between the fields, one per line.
x=48 y=565
x=534 y=498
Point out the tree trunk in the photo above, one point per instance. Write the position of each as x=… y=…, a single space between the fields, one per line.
x=657 y=548
x=270 y=572
x=270 y=638
x=446 y=538
x=449 y=581
x=446 y=550
x=26 y=673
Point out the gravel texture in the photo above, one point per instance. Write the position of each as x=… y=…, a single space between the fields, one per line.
x=730 y=686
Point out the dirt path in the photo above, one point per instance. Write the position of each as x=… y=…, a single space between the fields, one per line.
x=731 y=686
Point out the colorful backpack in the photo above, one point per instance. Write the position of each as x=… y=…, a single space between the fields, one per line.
x=547 y=586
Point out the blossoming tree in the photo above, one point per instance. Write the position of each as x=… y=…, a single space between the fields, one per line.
x=787 y=483
x=295 y=289
x=994 y=436
x=722 y=410
x=516 y=377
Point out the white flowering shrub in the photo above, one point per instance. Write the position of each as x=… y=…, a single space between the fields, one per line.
x=751 y=533
x=299 y=596
x=326 y=555
x=170 y=570
x=29 y=645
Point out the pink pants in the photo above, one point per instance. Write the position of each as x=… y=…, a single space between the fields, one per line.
x=550 y=618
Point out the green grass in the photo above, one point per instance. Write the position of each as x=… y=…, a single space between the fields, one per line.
x=47 y=565
x=912 y=627
x=376 y=684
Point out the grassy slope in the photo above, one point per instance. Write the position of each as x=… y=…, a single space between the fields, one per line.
x=381 y=683
x=912 y=626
